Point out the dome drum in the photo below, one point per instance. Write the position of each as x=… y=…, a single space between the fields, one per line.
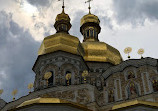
x=90 y=24
x=62 y=25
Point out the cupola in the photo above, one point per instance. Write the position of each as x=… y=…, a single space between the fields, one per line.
x=90 y=27
x=62 y=22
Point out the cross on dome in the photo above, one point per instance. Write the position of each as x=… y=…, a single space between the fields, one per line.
x=63 y=4
x=89 y=1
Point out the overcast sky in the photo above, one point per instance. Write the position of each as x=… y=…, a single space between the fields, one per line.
x=24 y=24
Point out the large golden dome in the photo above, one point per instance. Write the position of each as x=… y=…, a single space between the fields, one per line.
x=90 y=18
x=61 y=41
x=101 y=52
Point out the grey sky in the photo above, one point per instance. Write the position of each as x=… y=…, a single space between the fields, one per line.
x=17 y=56
x=136 y=11
x=24 y=24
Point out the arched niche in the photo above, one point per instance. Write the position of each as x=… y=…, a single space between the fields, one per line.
x=68 y=82
x=72 y=69
x=132 y=90
x=51 y=79
x=53 y=69
x=130 y=73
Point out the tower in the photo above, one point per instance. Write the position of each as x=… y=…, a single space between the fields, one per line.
x=59 y=54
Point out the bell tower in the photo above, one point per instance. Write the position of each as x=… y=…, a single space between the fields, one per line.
x=59 y=61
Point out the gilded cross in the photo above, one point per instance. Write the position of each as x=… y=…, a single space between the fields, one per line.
x=89 y=1
x=63 y=4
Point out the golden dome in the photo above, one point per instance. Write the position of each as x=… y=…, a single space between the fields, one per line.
x=62 y=16
x=61 y=41
x=90 y=18
x=101 y=52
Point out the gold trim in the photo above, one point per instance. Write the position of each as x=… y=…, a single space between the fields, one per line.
x=135 y=102
x=52 y=101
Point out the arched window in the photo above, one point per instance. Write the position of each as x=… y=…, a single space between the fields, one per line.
x=87 y=33
x=67 y=82
x=95 y=34
x=91 y=32
x=84 y=34
x=62 y=27
x=51 y=79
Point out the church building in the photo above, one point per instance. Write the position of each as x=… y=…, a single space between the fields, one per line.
x=71 y=75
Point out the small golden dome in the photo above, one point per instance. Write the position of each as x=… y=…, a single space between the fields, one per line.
x=90 y=18
x=62 y=16
x=62 y=22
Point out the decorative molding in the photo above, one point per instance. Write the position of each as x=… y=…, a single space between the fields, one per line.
x=132 y=62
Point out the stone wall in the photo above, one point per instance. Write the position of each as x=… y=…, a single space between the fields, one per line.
x=104 y=86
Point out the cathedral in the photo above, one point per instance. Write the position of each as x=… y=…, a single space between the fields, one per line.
x=87 y=76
